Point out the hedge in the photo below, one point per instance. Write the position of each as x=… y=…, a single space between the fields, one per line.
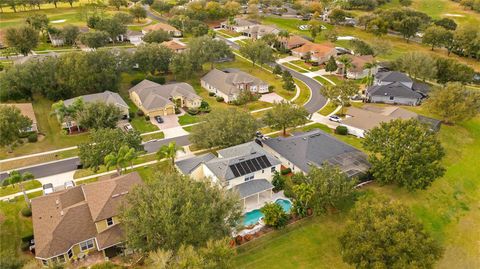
x=33 y=137
x=219 y=99
x=26 y=212
x=341 y=130
x=286 y=171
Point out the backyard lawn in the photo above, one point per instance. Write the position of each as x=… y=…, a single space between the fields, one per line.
x=187 y=119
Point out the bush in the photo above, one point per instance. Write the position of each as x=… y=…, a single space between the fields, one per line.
x=341 y=130
x=219 y=99
x=26 y=212
x=205 y=109
x=271 y=88
x=135 y=81
x=140 y=113
x=159 y=80
x=193 y=111
x=177 y=110
x=33 y=137
x=286 y=171
x=25 y=246
x=211 y=94
x=9 y=260
x=274 y=215
x=147 y=118
x=278 y=182
x=131 y=114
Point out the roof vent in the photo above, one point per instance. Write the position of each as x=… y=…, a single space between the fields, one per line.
x=57 y=201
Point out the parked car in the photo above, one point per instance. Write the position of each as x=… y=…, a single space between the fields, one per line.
x=69 y=184
x=128 y=127
x=159 y=119
x=47 y=188
x=334 y=118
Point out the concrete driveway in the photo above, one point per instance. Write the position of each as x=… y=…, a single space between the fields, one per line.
x=271 y=98
x=169 y=121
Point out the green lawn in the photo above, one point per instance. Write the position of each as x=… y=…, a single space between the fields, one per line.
x=326 y=110
x=448 y=209
x=304 y=65
x=296 y=68
x=187 y=119
x=304 y=92
x=11 y=189
x=149 y=137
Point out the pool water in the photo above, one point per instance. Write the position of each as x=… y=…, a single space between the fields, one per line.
x=254 y=216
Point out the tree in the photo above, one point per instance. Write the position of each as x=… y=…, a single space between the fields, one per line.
x=106 y=141
x=361 y=47
x=288 y=82
x=315 y=28
x=118 y=3
x=453 y=102
x=169 y=152
x=277 y=70
x=39 y=22
x=409 y=26
x=274 y=215
x=94 y=39
x=340 y=94
x=123 y=18
x=253 y=12
x=120 y=159
x=70 y=34
x=384 y=234
x=278 y=182
x=98 y=115
x=23 y=39
x=153 y=58
x=404 y=152
x=370 y=66
x=158 y=36
x=16 y=177
x=114 y=27
x=450 y=70
x=224 y=128
x=381 y=47
x=257 y=51
x=303 y=194
x=138 y=12
x=417 y=64
x=12 y=125
x=181 y=66
x=446 y=23
x=179 y=211
x=405 y=3
x=284 y=115
x=346 y=64
x=337 y=16
x=64 y=113
x=206 y=49
x=331 y=65
x=435 y=36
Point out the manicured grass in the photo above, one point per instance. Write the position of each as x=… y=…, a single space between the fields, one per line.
x=229 y=33
x=149 y=137
x=142 y=125
x=296 y=68
x=326 y=110
x=188 y=128
x=11 y=189
x=304 y=92
x=187 y=119
x=304 y=65
x=37 y=159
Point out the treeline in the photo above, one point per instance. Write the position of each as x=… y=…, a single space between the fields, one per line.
x=200 y=10
x=24 y=5
x=471 y=4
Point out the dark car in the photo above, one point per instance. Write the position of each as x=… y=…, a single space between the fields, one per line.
x=159 y=119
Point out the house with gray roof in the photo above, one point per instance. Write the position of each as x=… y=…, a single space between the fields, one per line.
x=258 y=31
x=246 y=168
x=396 y=88
x=304 y=150
x=238 y=25
x=230 y=82
x=158 y=100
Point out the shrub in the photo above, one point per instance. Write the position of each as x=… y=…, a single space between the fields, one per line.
x=177 y=110
x=33 y=137
x=205 y=110
x=26 y=212
x=10 y=260
x=159 y=80
x=193 y=111
x=25 y=246
x=286 y=171
x=271 y=88
x=147 y=118
x=140 y=113
x=274 y=215
x=135 y=81
x=219 y=99
x=341 y=130
x=131 y=114
x=211 y=94
x=278 y=182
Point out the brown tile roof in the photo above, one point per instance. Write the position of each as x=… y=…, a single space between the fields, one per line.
x=26 y=109
x=358 y=62
x=174 y=45
x=63 y=219
x=110 y=237
x=294 y=41
x=315 y=49
x=160 y=26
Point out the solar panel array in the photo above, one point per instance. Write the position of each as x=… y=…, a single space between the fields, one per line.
x=250 y=166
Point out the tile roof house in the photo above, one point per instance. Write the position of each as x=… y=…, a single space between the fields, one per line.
x=26 y=109
x=155 y=99
x=360 y=120
x=246 y=168
x=314 y=148
x=230 y=82
x=293 y=41
x=318 y=52
x=358 y=70
x=71 y=223
x=162 y=26
x=175 y=46
x=396 y=88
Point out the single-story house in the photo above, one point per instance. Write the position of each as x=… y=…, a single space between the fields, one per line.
x=360 y=120
x=292 y=42
x=26 y=109
x=358 y=70
x=304 y=150
x=239 y=25
x=34 y=57
x=155 y=99
x=56 y=38
x=318 y=52
x=246 y=168
x=230 y=82
x=396 y=88
x=162 y=26
x=258 y=31
x=69 y=224
x=175 y=46
x=135 y=37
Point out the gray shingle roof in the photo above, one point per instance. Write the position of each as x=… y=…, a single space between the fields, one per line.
x=252 y=187
x=396 y=89
x=186 y=166
x=107 y=97
x=393 y=76
x=226 y=80
x=315 y=148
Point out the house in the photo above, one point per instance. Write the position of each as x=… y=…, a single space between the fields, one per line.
x=162 y=26
x=175 y=46
x=155 y=99
x=358 y=70
x=258 y=31
x=246 y=168
x=69 y=224
x=239 y=25
x=56 y=38
x=314 y=148
x=292 y=42
x=360 y=120
x=396 y=88
x=318 y=52
x=135 y=37
x=35 y=57
x=26 y=109
x=230 y=82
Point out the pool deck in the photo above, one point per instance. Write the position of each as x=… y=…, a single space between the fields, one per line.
x=251 y=203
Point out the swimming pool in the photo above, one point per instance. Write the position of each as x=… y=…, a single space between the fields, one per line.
x=254 y=216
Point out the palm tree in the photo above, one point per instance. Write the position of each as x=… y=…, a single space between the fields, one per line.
x=67 y=114
x=346 y=63
x=169 y=152
x=370 y=66
x=124 y=155
x=17 y=177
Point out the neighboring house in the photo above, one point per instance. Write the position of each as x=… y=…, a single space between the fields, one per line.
x=258 y=31
x=34 y=57
x=314 y=148
x=246 y=168
x=230 y=82
x=69 y=224
x=162 y=26
x=135 y=37
x=318 y=52
x=396 y=88
x=358 y=70
x=240 y=25
x=175 y=46
x=56 y=39
x=26 y=109
x=155 y=99
x=292 y=42
x=360 y=120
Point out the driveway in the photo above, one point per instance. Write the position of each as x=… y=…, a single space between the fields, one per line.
x=174 y=132
x=271 y=98
x=169 y=121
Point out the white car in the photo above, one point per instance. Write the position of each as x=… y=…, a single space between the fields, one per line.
x=47 y=188
x=128 y=127
x=334 y=118
x=69 y=184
